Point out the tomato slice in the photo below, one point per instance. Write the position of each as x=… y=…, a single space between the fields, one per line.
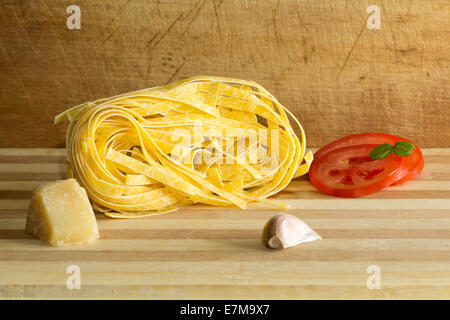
x=414 y=162
x=415 y=167
x=350 y=172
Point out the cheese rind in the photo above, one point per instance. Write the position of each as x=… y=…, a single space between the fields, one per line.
x=61 y=214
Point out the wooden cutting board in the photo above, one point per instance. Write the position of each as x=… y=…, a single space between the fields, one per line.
x=215 y=253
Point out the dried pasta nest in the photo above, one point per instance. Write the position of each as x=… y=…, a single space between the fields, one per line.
x=209 y=140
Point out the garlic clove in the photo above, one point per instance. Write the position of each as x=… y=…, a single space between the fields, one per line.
x=276 y=243
x=285 y=230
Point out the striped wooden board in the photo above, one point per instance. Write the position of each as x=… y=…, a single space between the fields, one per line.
x=215 y=253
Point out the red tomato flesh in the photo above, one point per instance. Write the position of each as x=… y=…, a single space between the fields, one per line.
x=350 y=172
x=414 y=161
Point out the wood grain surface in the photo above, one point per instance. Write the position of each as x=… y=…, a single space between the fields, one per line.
x=203 y=252
x=317 y=57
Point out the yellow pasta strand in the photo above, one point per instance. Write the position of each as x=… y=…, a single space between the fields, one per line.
x=216 y=141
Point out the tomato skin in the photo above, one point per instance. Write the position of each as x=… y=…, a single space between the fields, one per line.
x=414 y=162
x=357 y=139
x=350 y=172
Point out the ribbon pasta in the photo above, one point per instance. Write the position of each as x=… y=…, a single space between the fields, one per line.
x=209 y=140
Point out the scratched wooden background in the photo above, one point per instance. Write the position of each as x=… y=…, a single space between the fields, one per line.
x=317 y=57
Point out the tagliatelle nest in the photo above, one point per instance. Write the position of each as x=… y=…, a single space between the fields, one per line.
x=216 y=141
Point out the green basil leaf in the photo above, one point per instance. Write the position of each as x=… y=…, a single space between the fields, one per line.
x=403 y=148
x=382 y=151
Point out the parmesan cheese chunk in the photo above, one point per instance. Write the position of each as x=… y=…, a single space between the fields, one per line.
x=60 y=213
